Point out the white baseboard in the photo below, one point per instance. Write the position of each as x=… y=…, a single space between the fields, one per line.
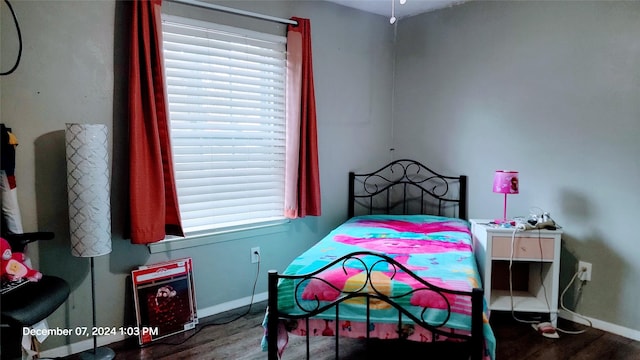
x=602 y=325
x=230 y=305
x=80 y=346
x=84 y=345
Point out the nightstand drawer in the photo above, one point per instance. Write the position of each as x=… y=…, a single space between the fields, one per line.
x=524 y=248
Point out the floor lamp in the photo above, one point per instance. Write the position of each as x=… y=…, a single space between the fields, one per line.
x=89 y=204
x=505 y=182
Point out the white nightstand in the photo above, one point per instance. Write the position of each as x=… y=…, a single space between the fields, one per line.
x=535 y=267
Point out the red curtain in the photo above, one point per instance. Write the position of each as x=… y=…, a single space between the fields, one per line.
x=153 y=200
x=302 y=184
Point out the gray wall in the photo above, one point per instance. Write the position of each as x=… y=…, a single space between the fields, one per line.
x=74 y=69
x=555 y=83
x=549 y=88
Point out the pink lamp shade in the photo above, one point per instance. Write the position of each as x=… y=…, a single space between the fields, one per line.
x=505 y=182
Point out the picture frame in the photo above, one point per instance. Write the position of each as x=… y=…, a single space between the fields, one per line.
x=165 y=301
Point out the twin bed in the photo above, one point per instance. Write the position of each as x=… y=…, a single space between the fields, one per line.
x=390 y=271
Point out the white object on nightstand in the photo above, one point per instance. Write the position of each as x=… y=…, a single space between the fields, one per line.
x=536 y=258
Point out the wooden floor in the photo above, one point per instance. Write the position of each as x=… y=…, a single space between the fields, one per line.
x=240 y=340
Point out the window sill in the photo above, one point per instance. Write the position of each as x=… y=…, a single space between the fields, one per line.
x=220 y=236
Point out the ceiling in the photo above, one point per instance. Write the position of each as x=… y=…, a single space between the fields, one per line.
x=410 y=8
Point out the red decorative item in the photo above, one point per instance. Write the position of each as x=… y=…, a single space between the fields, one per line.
x=13 y=266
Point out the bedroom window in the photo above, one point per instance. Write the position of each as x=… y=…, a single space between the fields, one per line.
x=226 y=91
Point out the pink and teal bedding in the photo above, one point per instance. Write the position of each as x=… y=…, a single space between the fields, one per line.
x=437 y=249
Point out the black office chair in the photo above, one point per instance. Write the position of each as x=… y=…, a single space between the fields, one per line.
x=28 y=304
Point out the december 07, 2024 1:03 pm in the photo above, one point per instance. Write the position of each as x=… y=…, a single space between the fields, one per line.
x=91 y=331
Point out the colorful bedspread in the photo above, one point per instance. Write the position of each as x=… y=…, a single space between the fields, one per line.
x=437 y=249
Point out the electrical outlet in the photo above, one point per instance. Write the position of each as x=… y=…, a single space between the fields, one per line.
x=586 y=274
x=255 y=254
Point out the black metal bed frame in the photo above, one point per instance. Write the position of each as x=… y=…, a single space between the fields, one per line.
x=408 y=187
x=405 y=187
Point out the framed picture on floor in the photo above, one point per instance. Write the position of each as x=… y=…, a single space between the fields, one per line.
x=165 y=301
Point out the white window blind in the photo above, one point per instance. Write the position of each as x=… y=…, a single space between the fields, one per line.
x=226 y=89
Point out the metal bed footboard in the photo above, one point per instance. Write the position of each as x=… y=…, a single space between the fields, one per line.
x=368 y=290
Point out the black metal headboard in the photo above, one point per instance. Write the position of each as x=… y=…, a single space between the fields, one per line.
x=407 y=187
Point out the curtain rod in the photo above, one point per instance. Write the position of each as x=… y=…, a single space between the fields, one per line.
x=210 y=6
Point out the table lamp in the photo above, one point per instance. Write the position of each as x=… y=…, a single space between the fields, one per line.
x=89 y=204
x=505 y=182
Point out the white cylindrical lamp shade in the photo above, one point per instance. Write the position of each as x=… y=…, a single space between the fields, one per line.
x=88 y=187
